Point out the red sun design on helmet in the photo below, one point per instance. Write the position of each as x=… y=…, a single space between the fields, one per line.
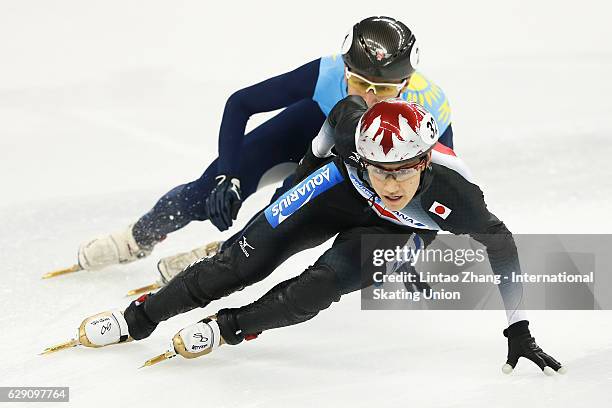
x=390 y=131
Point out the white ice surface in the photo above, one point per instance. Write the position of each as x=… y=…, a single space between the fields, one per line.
x=104 y=106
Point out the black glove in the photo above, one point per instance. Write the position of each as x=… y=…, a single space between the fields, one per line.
x=521 y=344
x=308 y=164
x=224 y=202
x=418 y=285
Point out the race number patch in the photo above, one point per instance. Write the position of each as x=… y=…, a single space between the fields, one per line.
x=317 y=183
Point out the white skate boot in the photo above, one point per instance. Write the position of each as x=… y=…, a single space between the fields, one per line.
x=198 y=339
x=104 y=329
x=113 y=249
x=171 y=266
x=193 y=341
x=96 y=331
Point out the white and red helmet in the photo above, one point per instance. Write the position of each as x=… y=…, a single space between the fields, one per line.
x=395 y=130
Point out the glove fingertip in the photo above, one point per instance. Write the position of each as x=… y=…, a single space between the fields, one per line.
x=227 y=223
x=548 y=371
x=235 y=212
x=562 y=370
x=222 y=225
x=507 y=368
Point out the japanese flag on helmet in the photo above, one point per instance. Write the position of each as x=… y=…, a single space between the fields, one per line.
x=395 y=130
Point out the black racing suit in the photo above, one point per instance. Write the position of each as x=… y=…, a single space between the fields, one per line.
x=335 y=199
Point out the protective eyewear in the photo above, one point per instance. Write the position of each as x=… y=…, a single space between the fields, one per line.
x=400 y=174
x=379 y=88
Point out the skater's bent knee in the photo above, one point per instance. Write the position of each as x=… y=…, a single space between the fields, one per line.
x=314 y=290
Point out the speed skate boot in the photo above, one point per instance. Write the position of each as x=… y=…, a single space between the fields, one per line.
x=104 y=329
x=198 y=339
x=171 y=266
x=193 y=341
x=113 y=249
x=99 y=330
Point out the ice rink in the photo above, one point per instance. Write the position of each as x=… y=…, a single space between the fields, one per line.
x=104 y=106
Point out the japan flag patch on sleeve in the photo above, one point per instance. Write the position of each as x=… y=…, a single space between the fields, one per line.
x=440 y=210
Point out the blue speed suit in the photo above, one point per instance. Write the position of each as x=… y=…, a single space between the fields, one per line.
x=307 y=93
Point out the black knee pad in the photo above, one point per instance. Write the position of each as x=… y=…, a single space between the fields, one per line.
x=314 y=290
x=290 y=302
x=213 y=278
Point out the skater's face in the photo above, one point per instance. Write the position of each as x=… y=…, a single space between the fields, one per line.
x=396 y=184
x=374 y=89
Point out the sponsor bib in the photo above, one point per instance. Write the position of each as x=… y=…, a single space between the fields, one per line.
x=317 y=183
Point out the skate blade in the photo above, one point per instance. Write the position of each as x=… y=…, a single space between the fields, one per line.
x=158 y=359
x=144 y=289
x=62 y=346
x=72 y=269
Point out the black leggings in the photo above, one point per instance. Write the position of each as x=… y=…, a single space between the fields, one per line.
x=261 y=248
x=343 y=268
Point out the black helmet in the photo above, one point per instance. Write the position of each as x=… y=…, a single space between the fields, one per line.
x=381 y=47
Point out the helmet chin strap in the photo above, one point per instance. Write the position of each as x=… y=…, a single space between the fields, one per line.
x=363 y=177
